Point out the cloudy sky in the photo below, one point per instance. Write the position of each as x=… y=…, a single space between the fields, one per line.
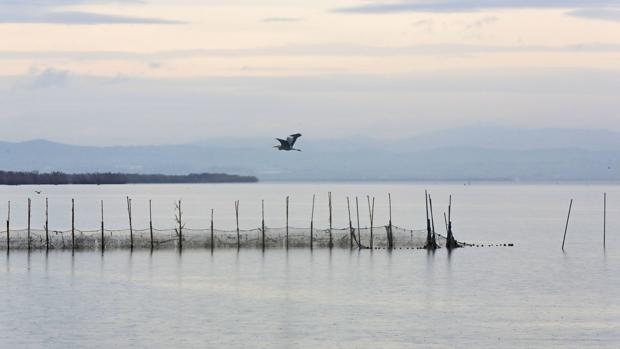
x=174 y=71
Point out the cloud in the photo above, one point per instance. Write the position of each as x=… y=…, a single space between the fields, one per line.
x=598 y=14
x=481 y=22
x=45 y=11
x=305 y=50
x=47 y=78
x=469 y=5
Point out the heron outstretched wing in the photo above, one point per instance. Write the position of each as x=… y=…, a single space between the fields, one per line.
x=293 y=138
x=283 y=142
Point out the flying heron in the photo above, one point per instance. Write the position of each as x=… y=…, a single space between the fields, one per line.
x=288 y=143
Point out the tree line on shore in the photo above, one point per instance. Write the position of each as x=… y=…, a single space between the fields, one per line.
x=58 y=178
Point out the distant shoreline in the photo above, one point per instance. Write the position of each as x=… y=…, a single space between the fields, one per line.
x=61 y=178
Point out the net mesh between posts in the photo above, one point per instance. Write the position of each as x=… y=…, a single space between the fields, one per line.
x=205 y=238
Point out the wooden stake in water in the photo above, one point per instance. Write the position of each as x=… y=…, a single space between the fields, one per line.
x=371 y=213
x=604 y=218
x=212 y=229
x=312 y=222
x=47 y=233
x=287 y=221
x=389 y=233
x=102 y=229
x=130 y=223
x=237 y=218
x=570 y=207
x=430 y=203
x=8 y=226
x=179 y=218
x=429 y=237
x=359 y=231
x=151 y=223
x=263 y=223
x=72 y=224
x=331 y=241
x=29 y=223
x=351 y=232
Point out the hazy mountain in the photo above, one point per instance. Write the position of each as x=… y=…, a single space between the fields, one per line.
x=457 y=154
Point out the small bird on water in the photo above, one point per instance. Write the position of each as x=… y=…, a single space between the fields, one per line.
x=288 y=143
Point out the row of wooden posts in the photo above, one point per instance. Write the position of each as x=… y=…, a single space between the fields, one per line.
x=570 y=208
x=431 y=242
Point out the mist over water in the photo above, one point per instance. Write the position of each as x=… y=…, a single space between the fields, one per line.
x=529 y=295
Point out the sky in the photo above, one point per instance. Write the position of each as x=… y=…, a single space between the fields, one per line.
x=175 y=71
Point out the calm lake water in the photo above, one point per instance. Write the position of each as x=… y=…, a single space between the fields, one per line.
x=529 y=295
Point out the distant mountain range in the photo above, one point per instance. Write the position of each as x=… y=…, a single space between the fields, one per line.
x=475 y=153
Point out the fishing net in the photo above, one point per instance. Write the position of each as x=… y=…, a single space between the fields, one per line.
x=376 y=237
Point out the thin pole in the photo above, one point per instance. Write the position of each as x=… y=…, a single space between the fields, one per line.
x=359 y=232
x=237 y=217
x=604 y=217
x=151 y=223
x=8 y=226
x=287 y=221
x=47 y=235
x=29 y=223
x=430 y=203
x=570 y=207
x=180 y=216
x=428 y=223
x=263 y=223
x=371 y=212
x=390 y=225
x=130 y=223
x=102 y=229
x=312 y=222
x=351 y=233
x=331 y=242
x=72 y=224
x=212 y=229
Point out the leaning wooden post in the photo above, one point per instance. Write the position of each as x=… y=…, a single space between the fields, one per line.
x=287 y=221
x=312 y=222
x=212 y=229
x=8 y=226
x=434 y=238
x=102 y=229
x=331 y=240
x=604 y=217
x=351 y=232
x=237 y=218
x=130 y=223
x=429 y=238
x=29 y=223
x=47 y=233
x=72 y=224
x=359 y=231
x=371 y=212
x=151 y=223
x=570 y=207
x=262 y=206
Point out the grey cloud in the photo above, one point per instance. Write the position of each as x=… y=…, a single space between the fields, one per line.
x=599 y=14
x=49 y=77
x=469 y=5
x=51 y=12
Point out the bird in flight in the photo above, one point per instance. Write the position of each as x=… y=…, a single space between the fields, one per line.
x=37 y=191
x=288 y=143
